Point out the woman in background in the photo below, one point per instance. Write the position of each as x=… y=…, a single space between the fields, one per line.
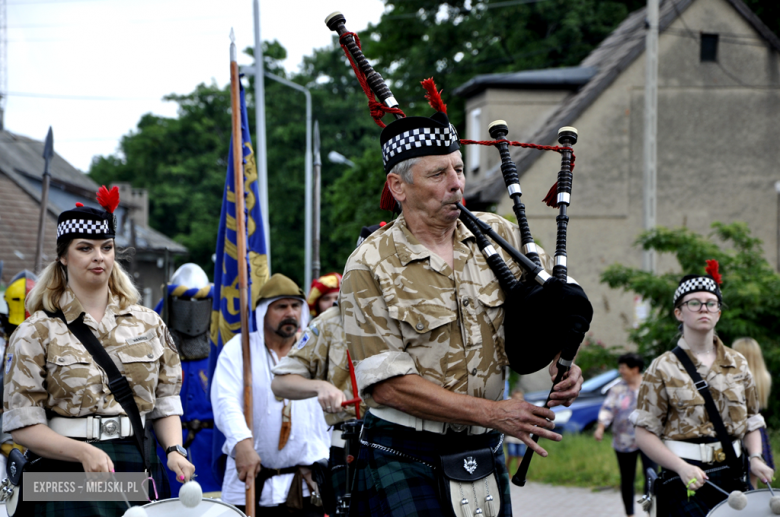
x=752 y=351
x=620 y=402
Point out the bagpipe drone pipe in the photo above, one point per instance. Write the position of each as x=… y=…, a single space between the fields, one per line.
x=544 y=315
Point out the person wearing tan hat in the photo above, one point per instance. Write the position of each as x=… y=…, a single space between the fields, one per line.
x=287 y=436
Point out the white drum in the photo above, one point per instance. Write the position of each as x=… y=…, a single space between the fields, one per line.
x=757 y=506
x=206 y=508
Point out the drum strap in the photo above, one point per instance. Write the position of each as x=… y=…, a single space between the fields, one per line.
x=117 y=383
x=712 y=410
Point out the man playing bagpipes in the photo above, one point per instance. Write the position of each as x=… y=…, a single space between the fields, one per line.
x=423 y=314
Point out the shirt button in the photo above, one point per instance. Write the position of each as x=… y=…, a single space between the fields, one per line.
x=474 y=371
x=420 y=326
x=465 y=302
x=59 y=359
x=149 y=355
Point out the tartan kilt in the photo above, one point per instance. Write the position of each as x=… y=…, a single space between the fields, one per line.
x=337 y=483
x=126 y=458
x=390 y=485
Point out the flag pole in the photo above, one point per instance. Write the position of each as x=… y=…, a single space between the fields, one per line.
x=241 y=238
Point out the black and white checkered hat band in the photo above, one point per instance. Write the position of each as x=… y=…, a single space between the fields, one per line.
x=693 y=285
x=82 y=227
x=415 y=138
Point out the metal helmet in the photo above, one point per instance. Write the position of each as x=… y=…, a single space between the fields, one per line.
x=16 y=294
x=190 y=275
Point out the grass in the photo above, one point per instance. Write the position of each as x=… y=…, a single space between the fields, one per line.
x=579 y=460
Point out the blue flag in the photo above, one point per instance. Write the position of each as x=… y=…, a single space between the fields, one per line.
x=226 y=313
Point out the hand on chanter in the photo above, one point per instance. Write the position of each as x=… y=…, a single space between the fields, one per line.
x=566 y=391
x=520 y=419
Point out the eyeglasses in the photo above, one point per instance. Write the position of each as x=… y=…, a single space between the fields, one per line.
x=696 y=305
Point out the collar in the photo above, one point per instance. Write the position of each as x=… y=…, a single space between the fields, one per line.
x=409 y=249
x=72 y=309
x=722 y=358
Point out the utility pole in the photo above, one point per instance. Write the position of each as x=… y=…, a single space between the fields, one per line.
x=3 y=61
x=651 y=127
x=260 y=154
x=317 y=165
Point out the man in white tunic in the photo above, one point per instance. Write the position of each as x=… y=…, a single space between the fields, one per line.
x=287 y=436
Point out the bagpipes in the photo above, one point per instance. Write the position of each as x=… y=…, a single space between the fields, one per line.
x=545 y=315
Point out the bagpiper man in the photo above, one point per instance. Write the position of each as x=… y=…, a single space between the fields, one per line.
x=423 y=315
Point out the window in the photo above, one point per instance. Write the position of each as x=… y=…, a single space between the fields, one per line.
x=709 y=47
x=474 y=129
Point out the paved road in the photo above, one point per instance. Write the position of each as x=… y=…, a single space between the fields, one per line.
x=536 y=499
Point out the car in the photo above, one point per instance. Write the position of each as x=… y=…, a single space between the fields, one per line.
x=583 y=414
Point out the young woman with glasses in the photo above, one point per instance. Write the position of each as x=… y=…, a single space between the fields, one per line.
x=672 y=426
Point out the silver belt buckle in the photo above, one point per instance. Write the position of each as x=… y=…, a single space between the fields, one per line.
x=109 y=428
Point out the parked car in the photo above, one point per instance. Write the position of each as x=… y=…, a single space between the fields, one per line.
x=583 y=414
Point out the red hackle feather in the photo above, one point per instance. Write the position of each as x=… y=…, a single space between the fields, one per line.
x=434 y=95
x=387 y=202
x=712 y=270
x=79 y=205
x=108 y=199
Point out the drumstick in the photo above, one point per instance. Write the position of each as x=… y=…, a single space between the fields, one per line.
x=769 y=487
x=716 y=486
x=348 y=402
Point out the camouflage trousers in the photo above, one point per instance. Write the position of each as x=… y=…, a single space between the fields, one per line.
x=388 y=484
x=126 y=458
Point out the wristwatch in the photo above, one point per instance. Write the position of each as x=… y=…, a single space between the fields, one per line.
x=176 y=448
x=759 y=456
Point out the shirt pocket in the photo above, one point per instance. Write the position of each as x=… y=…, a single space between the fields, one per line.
x=141 y=365
x=69 y=372
x=426 y=330
x=686 y=411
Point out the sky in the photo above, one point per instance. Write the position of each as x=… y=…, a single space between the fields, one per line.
x=92 y=68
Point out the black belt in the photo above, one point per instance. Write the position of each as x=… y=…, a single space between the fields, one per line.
x=194 y=426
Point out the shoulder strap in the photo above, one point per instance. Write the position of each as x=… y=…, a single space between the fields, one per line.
x=709 y=404
x=117 y=383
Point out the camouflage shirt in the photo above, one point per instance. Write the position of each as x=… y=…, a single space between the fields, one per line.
x=321 y=353
x=407 y=312
x=670 y=407
x=47 y=367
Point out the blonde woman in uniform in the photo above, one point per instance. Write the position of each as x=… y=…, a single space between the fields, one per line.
x=53 y=387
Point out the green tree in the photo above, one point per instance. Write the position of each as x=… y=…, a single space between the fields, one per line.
x=751 y=291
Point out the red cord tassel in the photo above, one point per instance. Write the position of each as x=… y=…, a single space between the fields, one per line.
x=387 y=202
x=551 y=199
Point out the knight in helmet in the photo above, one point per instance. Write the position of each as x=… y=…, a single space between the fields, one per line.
x=187 y=311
